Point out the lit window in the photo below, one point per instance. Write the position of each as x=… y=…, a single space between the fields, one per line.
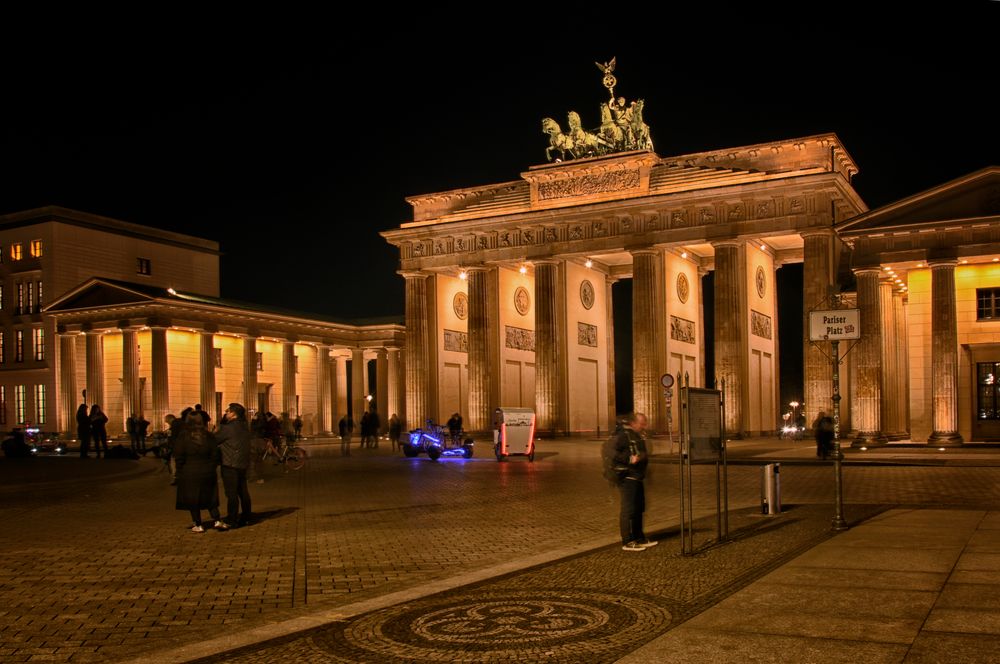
x=31 y=298
x=218 y=357
x=145 y=266
x=260 y=361
x=38 y=341
x=1 y=297
x=15 y=251
x=3 y=404
x=36 y=248
x=38 y=288
x=19 y=347
x=3 y=353
x=20 y=300
x=987 y=303
x=39 y=404
x=19 y=394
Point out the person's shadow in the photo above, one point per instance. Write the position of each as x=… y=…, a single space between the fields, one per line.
x=260 y=517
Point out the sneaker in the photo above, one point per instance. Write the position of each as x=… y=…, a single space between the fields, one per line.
x=221 y=525
x=633 y=546
x=646 y=543
x=197 y=529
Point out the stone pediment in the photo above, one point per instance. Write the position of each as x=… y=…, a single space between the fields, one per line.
x=973 y=196
x=103 y=293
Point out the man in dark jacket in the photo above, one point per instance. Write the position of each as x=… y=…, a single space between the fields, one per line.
x=233 y=438
x=630 y=453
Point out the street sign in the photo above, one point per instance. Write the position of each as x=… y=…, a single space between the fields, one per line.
x=667 y=380
x=835 y=325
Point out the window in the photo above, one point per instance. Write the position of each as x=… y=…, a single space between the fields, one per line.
x=19 y=403
x=38 y=342
x=36 y=248
x=987 y=303
x=19 y=348
x=218 y=357
x=987 y=379
x=3 y=353
x=145 y=266
x=39 y=404
x=31 y=298
x=15 y=251
x=260 y=361
x=38 y=289
x=19 y=309
x=3 y=404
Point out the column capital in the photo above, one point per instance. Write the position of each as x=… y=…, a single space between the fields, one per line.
x=942 y=262
x=653 y=251
x=732 y=242
x=812 y=232
x=545 y=261
x=868 y=269
x=476 y=267
x=412 y=274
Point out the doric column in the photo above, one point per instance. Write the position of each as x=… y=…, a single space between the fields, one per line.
x=731 y=344
x=338 y=366
x=891 y=400
x=207 y=375
x=130 y=374
x=95 y=368
x=401 y=376
x=392 y=378
x=159 y=376
x=288 y=386
x=817 y=277
x=944 y=355
x=867 y=411
x=417 y=345
x=547 y=395
x=250 y=401
x=479 y=416
x=645 y=359
x=610 y=325
x=67 y=383
x=358 y=387
x=382 y=386
x=902 y=363
x=324 y=388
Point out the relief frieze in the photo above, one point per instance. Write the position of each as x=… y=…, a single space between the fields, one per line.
x=518 y=338
x=760 y=325
x=596 y=183
x=586 y=334
x=456 y=341
x=682 y=329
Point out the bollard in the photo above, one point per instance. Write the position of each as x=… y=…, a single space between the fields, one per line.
x=770 y=489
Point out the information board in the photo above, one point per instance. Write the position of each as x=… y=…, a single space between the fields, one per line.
x=704 y=424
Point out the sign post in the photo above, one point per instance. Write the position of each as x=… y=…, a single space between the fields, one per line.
x=835 y=326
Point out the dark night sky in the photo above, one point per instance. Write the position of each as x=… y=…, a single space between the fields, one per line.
x=294 y=157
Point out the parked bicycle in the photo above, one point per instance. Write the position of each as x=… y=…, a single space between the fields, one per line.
x=293 y=457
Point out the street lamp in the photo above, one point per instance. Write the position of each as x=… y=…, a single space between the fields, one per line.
x=795 y=406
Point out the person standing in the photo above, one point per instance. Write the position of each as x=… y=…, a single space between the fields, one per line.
x=197 y=455
x=395 y=428
x=346 y=426
x=823 y=430
x=83 y=430
x=233 y=438
x=630 y=454
x=141 y=431
x=130 y=430
x=374 y=428
x=297 y=427
x=99 y=430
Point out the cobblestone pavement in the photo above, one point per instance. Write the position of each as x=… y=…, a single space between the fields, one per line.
x=101 y=568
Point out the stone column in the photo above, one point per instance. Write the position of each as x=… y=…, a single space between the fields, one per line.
x=207 y=375
x=417 y=355
x=610 y=325
x=944 y=355
x=547 y=396
x=250 y=373
x=401 y=376
x=902 y=363
x=392 y=378
x=324 y=390
x=817 y=277
x=95 y=368
x=130 y=374
x=646 y=387
x=67 y=383
x=159 y=375
x=867 y=411
x=891 y=400
x=382 y=387
x=731 y=344
x=358 y=387
x=339 y=369
x=288 y=385
x=479 y=415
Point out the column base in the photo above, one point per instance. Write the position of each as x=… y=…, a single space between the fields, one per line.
x=869 y=439
x=899 y=435
x=945 y=439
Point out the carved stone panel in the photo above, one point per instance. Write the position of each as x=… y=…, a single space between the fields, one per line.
x=682 y=329
x=456 y=341
x=760 y=280
x=460 y=304
x=596 y=183
x=683 y=288
x=760 y=325
x=586 y=334
x=587 y=294
x=520 y=339
x=522 y=301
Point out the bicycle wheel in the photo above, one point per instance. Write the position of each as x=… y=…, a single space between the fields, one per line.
x=296 y=458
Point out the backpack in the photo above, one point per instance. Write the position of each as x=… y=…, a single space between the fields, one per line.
x=613 y=473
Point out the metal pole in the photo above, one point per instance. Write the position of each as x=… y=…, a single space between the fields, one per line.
x=838 y=518
x=680 y=465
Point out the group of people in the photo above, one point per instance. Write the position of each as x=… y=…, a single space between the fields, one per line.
x=200 y=456
x=92 y=427
x=371 y=426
